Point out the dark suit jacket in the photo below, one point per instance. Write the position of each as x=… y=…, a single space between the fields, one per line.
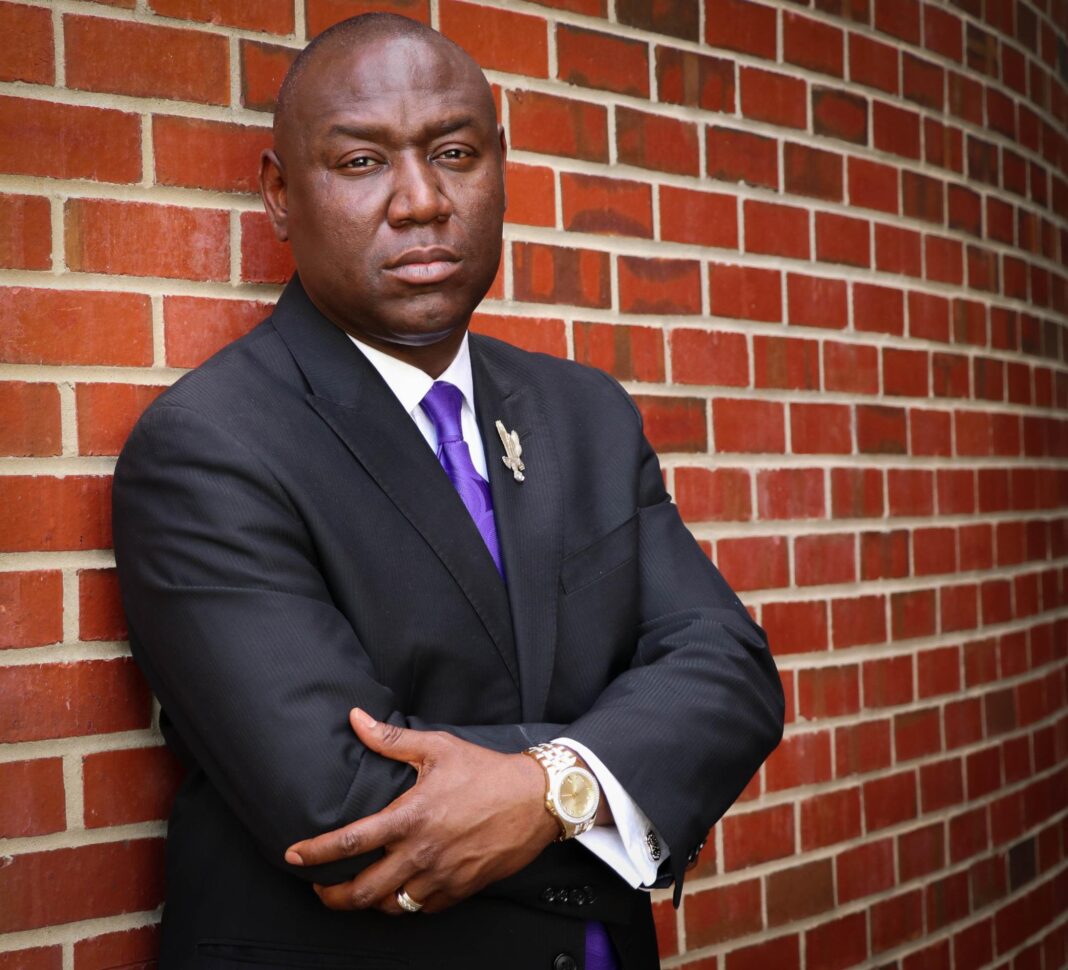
x=289 y=547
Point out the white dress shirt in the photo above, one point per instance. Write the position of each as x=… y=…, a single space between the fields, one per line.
x=631 y=846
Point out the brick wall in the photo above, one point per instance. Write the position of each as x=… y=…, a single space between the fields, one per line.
x=823 y=242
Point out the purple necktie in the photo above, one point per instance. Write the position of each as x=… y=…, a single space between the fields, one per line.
x=442 y=405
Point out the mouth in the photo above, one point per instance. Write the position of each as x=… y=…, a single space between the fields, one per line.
x=422 y=267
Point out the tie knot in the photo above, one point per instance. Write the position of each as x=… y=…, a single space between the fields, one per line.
x=442 y=405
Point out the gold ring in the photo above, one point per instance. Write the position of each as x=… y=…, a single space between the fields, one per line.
x=405 y=902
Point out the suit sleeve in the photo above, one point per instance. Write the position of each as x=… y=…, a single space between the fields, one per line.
x=237 y=634
x=701 y=707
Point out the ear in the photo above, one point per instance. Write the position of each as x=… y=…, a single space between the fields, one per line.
x=504 y=162
x=273 y=192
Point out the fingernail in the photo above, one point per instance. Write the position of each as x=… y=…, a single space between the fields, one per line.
x=363 y=717
x=293 y=858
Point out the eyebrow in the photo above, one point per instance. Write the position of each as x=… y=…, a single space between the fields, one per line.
x=374 y=132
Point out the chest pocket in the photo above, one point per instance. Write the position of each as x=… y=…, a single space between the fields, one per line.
x=597 y=560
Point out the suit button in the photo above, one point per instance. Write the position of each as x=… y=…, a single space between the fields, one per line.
x=591 y=894
x=564 y=961
x=548 y=894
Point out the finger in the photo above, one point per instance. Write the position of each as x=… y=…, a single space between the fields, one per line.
x=391 y=741
x=375 y=887
x=390 y=825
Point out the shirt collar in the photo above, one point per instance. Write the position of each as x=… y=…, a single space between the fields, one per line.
x=410 y=384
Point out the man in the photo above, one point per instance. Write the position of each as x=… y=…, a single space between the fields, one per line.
x=407 y=674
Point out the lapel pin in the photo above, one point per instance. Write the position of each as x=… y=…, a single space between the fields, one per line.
x=513 y=451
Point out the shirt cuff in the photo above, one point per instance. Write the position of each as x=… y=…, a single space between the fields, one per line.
x=632 y=847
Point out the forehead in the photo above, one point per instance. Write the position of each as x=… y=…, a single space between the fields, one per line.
x=402 y=82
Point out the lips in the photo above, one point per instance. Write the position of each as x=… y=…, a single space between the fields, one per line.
x=424 y=266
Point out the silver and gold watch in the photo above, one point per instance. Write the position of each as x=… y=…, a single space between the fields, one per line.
x=572 y=794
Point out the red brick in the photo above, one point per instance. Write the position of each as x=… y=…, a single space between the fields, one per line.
x=983 y=772
x=905 y=372
x=812 y=172
x=720 y=494
x=896 y=921
x=850 y=367
x=889 y=800
x=897 y=250
x=942 y=33
x=537 y=334
x=750 y=838
x=858 y=621
x=935 y=551
x=945 y=259
x=787 y=493
x=656 y=142
x=800 y=759
x=916 y=734
x=799 y=892
x=67 y=141
x=921 y=851
x=739 y=25
x=146 y=60
x=742 y=156
x=910 y=491
x=872 y=185
x=677 y=18
x=499 y=39
x=660 y=286
x=899 y=18
x=820 y=429
x=695 y=80
x=138 y=239
x=97 y=881
x=861 y=748
x=896 y=130
x=793 y=627
x=196 y=327
x=136 y=949
x=325 y=13
x=881 y=430
x=592 y=59
x=667 y=937
x=924 y=82
x=856 y=493
x=552 y=274
x=784 y=362
x=674 y=423
x=53 y=514
x=842 y=239
x=775 y=229
x=263 y=66
x=837 y=944
x=976 y=547
x=838 y=114
x=263 y=258
x=723 y=913
x=943 y=145
x=812 y=44
x=709 y=357
x=968 y=835
x=781 y=953
x=31 y=426
x=698 y=218
x=884 y=554
x=873 y=63
x=99 y=606
x=31 y=59
x=748 y=426
x=922 y=197
x=27 y=239
x=830 y=817
x=947 y=902
x=37 y=958
x=65 y=700
x=629 y=353
x=33 y=609
x=866 y=869
x=828 y=692
x=601 y=205
x=888 y=681
x=557 y=126
x=130 y=785
x=779 y=99
x=745 y=292
x=33 y=802
x=107 y=413
x=270 y=16
x=754 y=563
x=208 y=154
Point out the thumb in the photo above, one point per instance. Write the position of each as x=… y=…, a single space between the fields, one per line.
x=389 y=740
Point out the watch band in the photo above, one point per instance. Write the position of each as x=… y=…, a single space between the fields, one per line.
x=557 y=760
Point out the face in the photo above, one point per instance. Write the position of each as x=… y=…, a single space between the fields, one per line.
x=388 y=182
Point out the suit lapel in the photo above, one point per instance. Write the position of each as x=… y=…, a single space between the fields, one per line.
x=356 y=403
x=528 y=515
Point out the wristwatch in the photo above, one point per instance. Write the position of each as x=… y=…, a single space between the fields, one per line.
x=571 y=792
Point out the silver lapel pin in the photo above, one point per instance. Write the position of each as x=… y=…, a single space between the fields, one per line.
x=513 y=450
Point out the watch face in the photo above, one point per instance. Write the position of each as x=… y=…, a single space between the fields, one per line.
x=577 y=795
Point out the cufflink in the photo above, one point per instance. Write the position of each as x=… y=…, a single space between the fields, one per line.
x=652 y=846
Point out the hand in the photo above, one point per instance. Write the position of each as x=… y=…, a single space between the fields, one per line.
x=473 y=817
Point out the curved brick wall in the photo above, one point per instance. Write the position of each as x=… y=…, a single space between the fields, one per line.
x=824 y=243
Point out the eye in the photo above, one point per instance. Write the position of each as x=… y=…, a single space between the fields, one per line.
x=360 y=162
x=454 y=154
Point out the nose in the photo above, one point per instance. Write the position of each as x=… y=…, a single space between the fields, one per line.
x=417 y=195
